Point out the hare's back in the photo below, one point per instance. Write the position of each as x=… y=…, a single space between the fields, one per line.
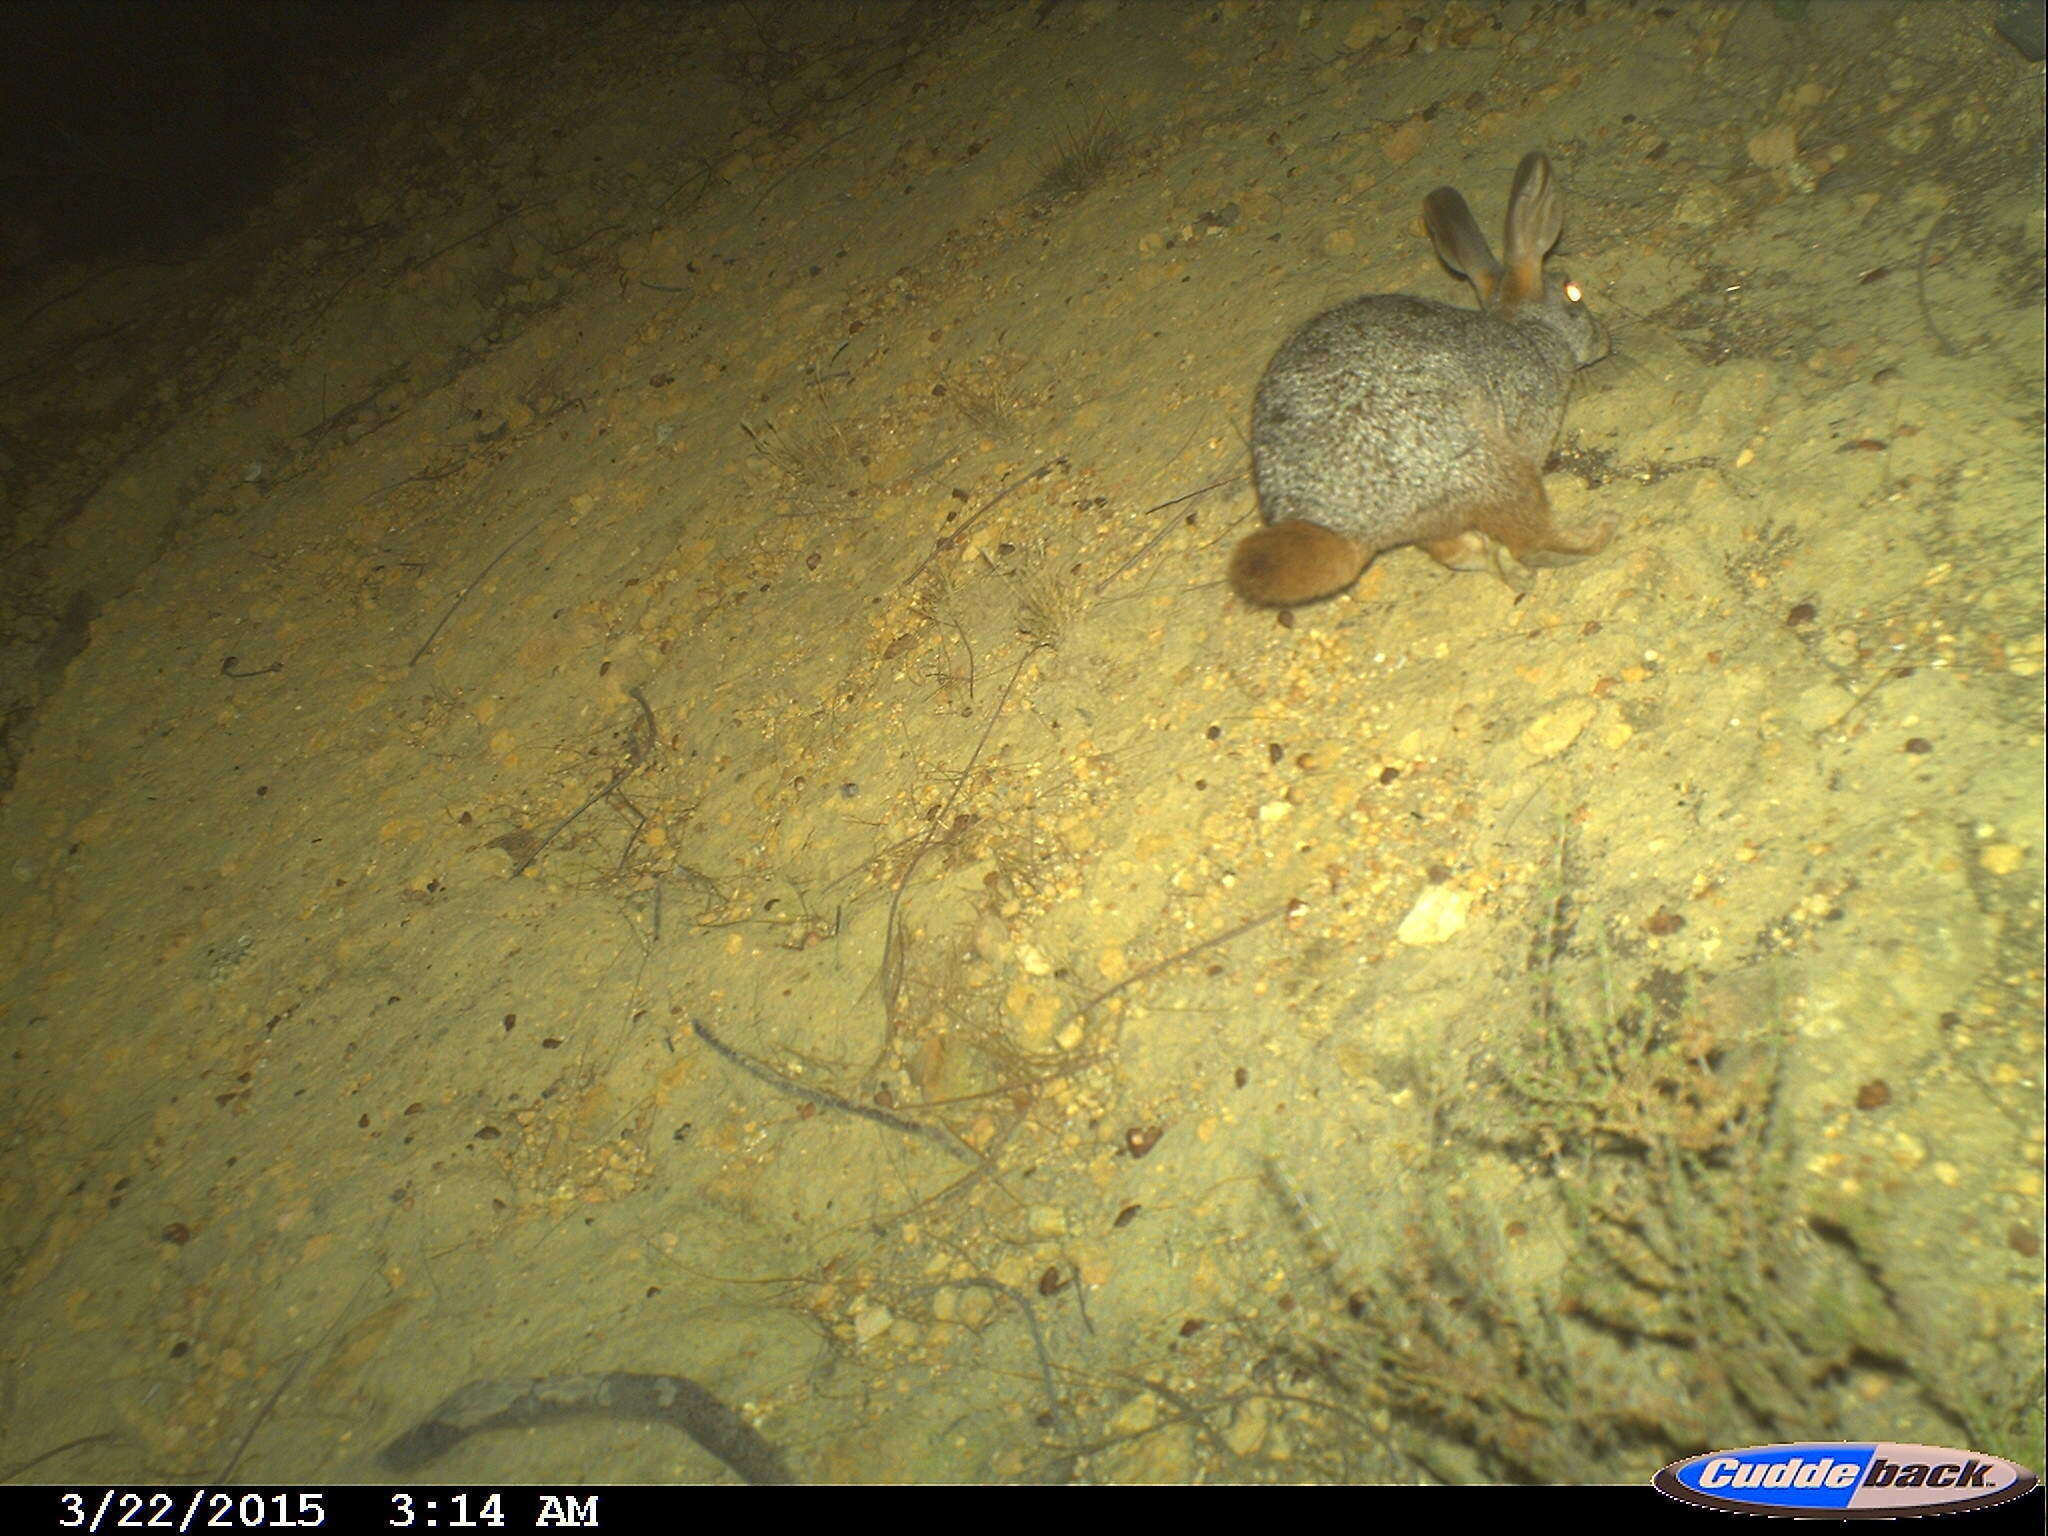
x=1364 y=419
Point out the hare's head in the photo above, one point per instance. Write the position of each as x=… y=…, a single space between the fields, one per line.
x=1521 y=290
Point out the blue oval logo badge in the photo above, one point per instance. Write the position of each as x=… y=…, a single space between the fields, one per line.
x=1868 y=1477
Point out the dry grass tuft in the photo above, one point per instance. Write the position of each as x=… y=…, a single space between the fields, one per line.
x=1082 y=158
x=813 y=454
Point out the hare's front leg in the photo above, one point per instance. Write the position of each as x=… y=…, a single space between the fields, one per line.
x=1561 y=548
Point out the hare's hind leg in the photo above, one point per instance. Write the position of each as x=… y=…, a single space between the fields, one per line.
x=1469 y=551
x=1520 y=517
x=1474 y=551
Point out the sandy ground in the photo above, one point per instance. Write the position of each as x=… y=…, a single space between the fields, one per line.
x=715 y=516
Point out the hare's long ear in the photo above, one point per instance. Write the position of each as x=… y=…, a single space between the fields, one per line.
x=1535 y=220
x=1459 y=245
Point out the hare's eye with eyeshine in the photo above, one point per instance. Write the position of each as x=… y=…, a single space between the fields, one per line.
x=1574 y=292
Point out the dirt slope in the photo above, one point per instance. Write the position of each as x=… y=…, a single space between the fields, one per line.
x=715 y=515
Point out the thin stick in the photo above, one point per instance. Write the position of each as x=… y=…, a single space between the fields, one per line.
x=948 y=541
x=1145 y=548
x=227 y=1473
x=11 y=1473
x=463 y=596
x=1920 y=284
x=936 y=1135
x=1189 y=953
x=636 y=755
x=1023 y=1303
x=1862 y=699
x=263 y=1414
x=892 y=940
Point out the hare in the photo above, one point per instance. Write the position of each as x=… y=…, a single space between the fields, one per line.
x=1395 y=420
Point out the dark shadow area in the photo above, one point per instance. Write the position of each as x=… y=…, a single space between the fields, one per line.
x=130 y=130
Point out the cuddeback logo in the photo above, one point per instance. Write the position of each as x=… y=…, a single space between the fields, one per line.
x=1867 y=1478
